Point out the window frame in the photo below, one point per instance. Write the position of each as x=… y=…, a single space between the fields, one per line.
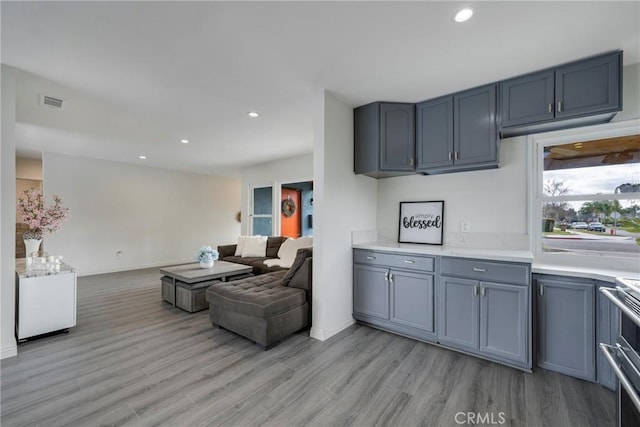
x=537 y=198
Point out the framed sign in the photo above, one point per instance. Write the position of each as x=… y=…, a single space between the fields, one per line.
x=421 y=222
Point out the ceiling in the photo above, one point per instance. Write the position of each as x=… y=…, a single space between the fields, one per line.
x=143 y=75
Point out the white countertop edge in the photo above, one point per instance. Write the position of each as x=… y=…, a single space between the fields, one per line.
x=587 y=273
x=605 y=275
x=487 y=254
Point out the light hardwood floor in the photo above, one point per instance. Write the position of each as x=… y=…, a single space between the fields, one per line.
x=135 y=360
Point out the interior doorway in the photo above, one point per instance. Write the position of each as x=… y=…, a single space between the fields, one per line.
x=296 y=209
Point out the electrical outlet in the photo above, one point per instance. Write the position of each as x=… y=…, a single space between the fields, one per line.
x=465 y=226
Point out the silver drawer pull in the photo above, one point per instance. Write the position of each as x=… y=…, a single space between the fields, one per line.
x=371 y=257
x=409 y=261
x=612 y=296
x=479 y=270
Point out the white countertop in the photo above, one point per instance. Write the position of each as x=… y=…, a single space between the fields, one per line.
x=488 y=254
x=603 y=274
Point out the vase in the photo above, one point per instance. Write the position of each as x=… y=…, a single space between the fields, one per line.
x=31 y=245
x=206 y=264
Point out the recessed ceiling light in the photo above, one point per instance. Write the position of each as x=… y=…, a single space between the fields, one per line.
x=464 y=14
x=184 y=141
x=253 y=114
x=142 y=157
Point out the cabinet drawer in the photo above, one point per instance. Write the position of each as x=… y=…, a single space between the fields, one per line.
x=405 y=261
x=485 y=270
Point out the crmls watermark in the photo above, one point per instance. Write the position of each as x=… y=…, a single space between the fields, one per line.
x=480 y=418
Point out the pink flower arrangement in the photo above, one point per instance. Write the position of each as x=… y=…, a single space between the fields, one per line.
x=37 y=216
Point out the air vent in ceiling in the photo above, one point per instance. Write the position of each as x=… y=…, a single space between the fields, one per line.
x=50 y=101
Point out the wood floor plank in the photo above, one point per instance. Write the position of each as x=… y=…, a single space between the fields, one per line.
x=135 y=360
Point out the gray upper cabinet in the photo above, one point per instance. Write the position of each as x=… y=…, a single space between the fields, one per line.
x=370 y=291
x=503 y=321
x=577 y=94
x=528 y=99
x=384 y=139
x=457 y=132
x=589 y=87
x=458 y=322
x=566 y=321
x=434 y=134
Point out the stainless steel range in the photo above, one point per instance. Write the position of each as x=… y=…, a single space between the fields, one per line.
x=624 y=357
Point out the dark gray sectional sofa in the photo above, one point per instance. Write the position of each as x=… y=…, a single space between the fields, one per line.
x=268 y=307
x=227 y=253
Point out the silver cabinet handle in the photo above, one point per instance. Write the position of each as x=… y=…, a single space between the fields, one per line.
x=371 y=257
x=550 y=109
x=482 y=290
x=475 y=289
x=450 y=156
x=386 y=275
x=612 y=296
x=559 y=106
x=480 y=270
x=411 y=161
x=607 y=350
x=541 y=289
x=409 y=261
x=390 y=277
x=456 y=155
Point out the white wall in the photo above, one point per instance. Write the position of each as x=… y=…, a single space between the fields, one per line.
x=275 y=173
x=8 y=213
x=493 y=201
x=154 y=216
x=343 y=202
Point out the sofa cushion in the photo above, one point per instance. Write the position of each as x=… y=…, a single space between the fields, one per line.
x=243 y=260
x=273 y=245
x=301 y=256
x=259 y=267
x=260 y=296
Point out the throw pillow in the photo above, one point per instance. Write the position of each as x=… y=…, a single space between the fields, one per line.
x=240 y=245
x=255 y=247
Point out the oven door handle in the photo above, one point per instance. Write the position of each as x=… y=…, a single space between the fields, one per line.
x=612 y=296
x=608 y=352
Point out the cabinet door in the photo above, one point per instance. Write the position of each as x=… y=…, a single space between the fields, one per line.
x=458 y=319
x=370 y=291
x=434 y=133
x=474 y=118
x=412 y=300
x=528 y=99
x=397 y=137
x=588 y=87
x=504 y=320
x=566 y=327
x=607 y=330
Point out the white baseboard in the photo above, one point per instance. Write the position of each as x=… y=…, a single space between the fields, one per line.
x=9 y=351
x=325 y=334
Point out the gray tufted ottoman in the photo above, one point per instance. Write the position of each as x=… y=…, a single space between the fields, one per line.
x=265 y=308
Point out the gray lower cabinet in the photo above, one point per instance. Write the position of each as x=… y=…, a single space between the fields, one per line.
x=566 y=322
x=503 y=321
x=371 y=291
x=412 y=300
x=485 y=317
x=607 y=330
x=395 y=292
x=458 y=321
x=484 y=308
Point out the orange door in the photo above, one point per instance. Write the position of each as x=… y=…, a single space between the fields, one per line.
x=290 y=213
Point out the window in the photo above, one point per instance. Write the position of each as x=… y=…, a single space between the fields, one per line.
x=262 y=217
x=587 y=194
